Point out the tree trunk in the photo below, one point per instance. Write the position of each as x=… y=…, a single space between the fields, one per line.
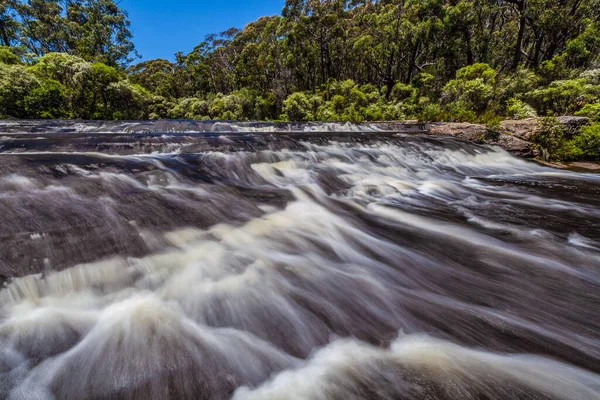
x=412 y=63
x=322 y=51
x=467 y=34
x=521 y=34
x=535 y=61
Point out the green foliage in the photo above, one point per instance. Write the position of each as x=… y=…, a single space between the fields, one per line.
x=7 y=56
x=46 y=101
x=555 y=145
x=591 y=111
x=431 y=112
x=236 y=106
x=587 y=143
x=555 y=69
x=72 y=71
x=16 y=82
x=402 y=91
x=265 y=106
x=582 y=49
x=461 y=113
x=426 y=84
x=9 y=24
x=518 y=109
x=189 y=108
x=99 y=31
x=471 y=91
x=344 y=101
x=516 y=84
x=298 y=107
x=591 y=76
x=125 y=100
x=551 y=140
x=565 y=96
x=95 y=30
x=65 y=86
x=158 y=76
x=480 y=71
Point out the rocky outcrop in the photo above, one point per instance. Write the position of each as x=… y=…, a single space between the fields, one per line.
x=460 y=130
x=572 y=124
x=516 y=143
x=513 y=135
x=523 y=128
x=579 y=166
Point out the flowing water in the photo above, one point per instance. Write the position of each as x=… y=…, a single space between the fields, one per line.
x=213 y=261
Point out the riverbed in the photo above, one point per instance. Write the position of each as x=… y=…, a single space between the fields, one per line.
x=309 y=261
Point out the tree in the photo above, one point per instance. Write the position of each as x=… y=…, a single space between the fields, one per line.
x=43 y=26
x=158 y=76
x=9 y=26
x=98 y=30
x=16 y=82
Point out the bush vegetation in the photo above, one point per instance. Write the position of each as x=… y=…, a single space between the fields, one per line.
x=555 y=143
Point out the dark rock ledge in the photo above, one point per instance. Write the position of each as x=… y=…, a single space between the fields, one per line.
x=512 y=135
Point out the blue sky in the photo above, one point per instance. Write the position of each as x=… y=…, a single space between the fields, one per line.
x=161 y=27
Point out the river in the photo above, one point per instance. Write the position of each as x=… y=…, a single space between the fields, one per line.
x=180 y=260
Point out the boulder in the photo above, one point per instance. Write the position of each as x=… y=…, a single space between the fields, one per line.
x=477 y=133
x=460 y=130
x=572 y=124
x=522 y=128
x=515 y=145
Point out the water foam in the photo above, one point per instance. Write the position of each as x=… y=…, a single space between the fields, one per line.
x=295 y=280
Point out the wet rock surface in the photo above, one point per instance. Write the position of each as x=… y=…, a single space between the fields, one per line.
x=141 y=136
x=307 y=261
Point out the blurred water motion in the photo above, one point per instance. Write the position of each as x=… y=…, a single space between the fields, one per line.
x=285 y=262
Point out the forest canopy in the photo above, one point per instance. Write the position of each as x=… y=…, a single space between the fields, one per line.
x=328 y=60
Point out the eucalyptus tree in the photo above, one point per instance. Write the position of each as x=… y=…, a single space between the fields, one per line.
x=98 y=30
x=9 y=25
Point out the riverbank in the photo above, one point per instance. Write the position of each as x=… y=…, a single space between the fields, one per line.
x=514 y=136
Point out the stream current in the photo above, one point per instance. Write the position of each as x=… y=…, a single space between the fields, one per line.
x=273 y=261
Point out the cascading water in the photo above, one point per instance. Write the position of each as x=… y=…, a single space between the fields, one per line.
x=225 y=262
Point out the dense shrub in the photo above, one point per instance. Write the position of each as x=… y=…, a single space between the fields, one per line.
x=298 y=107
x=471 y=91
x=189 y=108
x=127 y=101
x=551 y=140
x=516 y=84
x=555 y=145
x=591 y=111
x=16 y=82
x=518 y=109
x=587 y=143
x=564 y=97
x=48 y=100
